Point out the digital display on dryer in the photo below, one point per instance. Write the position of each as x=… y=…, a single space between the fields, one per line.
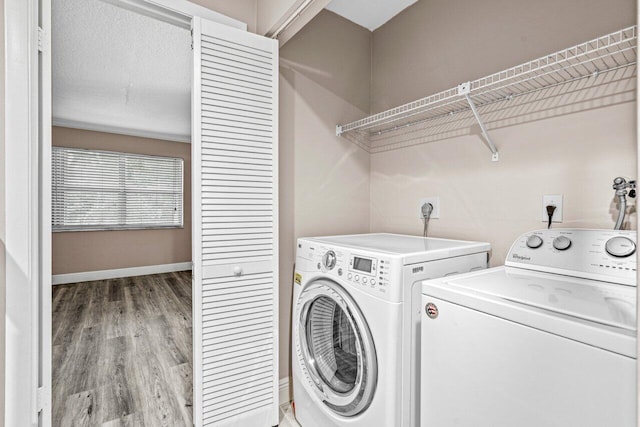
x=362 y=264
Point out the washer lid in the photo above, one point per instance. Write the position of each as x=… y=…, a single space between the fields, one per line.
x=411 y=248
x=551 y=302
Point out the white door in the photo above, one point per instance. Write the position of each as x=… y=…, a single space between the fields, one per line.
x=235 y=234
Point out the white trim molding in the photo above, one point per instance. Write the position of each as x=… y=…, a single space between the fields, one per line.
x=287 y=413
x=299 y=15
x=284 y=395
x=141 y=133
x=89 y=276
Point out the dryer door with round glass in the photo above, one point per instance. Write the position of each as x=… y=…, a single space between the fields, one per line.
x=335 y=348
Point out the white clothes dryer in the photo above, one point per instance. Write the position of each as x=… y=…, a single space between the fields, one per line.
x=355 y=328
x=549 y=339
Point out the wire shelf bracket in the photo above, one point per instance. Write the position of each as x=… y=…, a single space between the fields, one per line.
x=464 y=89
x=589 y=60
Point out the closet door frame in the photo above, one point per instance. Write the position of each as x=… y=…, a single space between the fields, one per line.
x=26 y=197
x=25 y=278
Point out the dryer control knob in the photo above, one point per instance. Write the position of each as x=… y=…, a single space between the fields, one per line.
x=561 y=243
x=534 y=241
x=329 y=260
x=620 y=247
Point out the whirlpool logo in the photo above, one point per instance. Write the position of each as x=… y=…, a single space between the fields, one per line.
x=432 y=310
x=520 y=257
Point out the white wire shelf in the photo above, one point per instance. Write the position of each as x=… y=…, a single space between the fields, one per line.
x=608 y=53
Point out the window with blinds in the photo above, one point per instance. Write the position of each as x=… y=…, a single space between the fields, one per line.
x=104 y=190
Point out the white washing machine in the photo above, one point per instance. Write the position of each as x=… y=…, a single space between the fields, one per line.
x=547 y=340
x=355 y=331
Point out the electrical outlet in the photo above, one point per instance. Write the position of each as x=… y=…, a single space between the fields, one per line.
x=435 y=201
x=553 y=200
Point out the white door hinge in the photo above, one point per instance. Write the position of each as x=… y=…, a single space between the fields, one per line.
x=43 y=40
x=43 y=398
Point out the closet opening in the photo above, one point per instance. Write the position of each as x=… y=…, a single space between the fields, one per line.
x=122 y=335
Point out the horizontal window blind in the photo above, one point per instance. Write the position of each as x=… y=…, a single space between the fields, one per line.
x=105 y=190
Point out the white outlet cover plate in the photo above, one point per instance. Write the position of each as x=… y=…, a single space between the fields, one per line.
x=555 y=200
x=435 y=201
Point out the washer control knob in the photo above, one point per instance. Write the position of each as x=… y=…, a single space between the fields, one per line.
x=357 y=278
x=561 y=243
x=364 y=280
x=620 y=247
x=349 y=276
x=534 y=241
x=373 y=281
x=329 y=260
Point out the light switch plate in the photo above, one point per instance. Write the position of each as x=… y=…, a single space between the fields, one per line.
x=435 y=201
x=553 y=200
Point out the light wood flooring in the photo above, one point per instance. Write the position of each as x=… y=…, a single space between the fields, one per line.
x=122 y=352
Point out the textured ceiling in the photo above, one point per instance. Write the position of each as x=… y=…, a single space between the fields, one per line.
x=117 y=70
x=370 y=14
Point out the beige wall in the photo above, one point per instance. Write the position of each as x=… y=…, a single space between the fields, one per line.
x=104 y=250
x=436 y=44
x=271 y=12
x=575 y=155
x=572 y=145
x=324 y=180
x=242 y=10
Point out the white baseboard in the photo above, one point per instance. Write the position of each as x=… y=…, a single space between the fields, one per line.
x=88 y=276
x=284 y=391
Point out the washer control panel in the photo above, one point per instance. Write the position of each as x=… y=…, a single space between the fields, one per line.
x=329 y=260
x=592 y=254
x=364 y=266
x=368 y=272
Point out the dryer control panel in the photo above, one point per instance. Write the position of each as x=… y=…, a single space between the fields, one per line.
x=607 y=255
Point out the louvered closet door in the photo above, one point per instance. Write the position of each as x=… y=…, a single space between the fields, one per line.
x=235 y=227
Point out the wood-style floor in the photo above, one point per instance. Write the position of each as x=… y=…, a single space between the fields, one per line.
x=122 y=352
